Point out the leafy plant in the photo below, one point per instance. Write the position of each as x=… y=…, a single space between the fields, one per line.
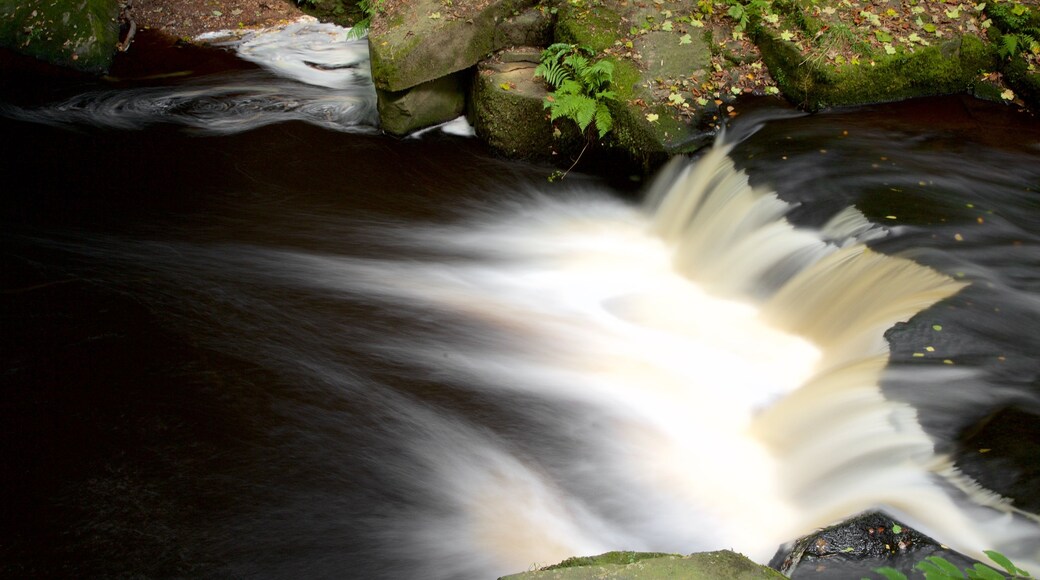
x=1012 y=44
x=369 y=9
x=743 y=13
x=939 y=568
x=580 y=89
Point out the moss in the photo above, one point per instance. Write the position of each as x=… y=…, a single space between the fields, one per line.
x=702 y=566
x=626 y=76
x=385 y=56
x=608 y=558
x=949 y=68
x=81 y=36
x=596 y=28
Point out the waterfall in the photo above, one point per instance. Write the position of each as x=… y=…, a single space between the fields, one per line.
x=690 y=375
x=555 y=373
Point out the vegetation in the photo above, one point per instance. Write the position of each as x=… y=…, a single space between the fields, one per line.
x=369 y=9
x=355 y=14
x=938 y=568
x=580 y=89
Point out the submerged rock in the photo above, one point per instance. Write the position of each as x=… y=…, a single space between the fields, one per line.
x=654 y=566
x=855 y=547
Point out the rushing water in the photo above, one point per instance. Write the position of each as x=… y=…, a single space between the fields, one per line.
x=245 y=335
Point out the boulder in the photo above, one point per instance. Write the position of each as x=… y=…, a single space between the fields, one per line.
x=430 y=103
x=81 y=34
x=418 y=44
x=508 y=111
x=425 y=40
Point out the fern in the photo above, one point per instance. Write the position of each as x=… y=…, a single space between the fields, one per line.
x=554 y=72
x=939 y=568
x=580 y=90
x=580 y=87
x=1008 y=45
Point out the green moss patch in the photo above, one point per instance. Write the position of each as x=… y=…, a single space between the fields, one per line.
x=82 y=34
x=608 y=558
x=655 y=566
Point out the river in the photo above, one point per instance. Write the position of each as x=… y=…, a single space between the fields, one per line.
x=247 y=335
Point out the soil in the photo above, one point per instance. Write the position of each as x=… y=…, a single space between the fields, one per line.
x=186 y=19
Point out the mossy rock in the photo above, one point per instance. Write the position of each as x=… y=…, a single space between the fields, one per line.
x=423 y=40
x=81 y=34
x=508 y=112
x=655 y=566
x=949 y=68
x=595 y=27
x=1025 y=84
x=647 y=142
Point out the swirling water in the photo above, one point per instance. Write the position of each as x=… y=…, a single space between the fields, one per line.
x=286 y=350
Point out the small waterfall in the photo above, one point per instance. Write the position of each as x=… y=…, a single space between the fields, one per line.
x=691 y=375
x=554 y=375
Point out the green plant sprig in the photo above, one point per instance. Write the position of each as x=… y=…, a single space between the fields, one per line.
x=579 y=90
x=939 y=568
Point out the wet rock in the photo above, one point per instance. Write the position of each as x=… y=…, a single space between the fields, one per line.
x=653 y=566
x=855 y=547
x=425 y=105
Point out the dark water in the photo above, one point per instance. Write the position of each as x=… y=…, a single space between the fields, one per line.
x=241 y=355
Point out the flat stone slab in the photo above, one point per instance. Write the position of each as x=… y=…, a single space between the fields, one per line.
x=702 y=566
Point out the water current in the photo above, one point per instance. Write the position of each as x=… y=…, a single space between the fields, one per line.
x=245 y=334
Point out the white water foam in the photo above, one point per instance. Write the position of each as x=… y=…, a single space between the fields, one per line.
x=322 y=77
x=656 y=389
x=726 y=363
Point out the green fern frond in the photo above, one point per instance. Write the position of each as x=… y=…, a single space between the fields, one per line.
x=1008 y=45
x=553 y=72
x=604 y=120
x=598 y=75
x=581 y=87
x=556 y=51
x=584 y=111
x=577 y=63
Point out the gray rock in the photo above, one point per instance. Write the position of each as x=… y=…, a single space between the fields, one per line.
x=423 y=40
x=430 y=103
